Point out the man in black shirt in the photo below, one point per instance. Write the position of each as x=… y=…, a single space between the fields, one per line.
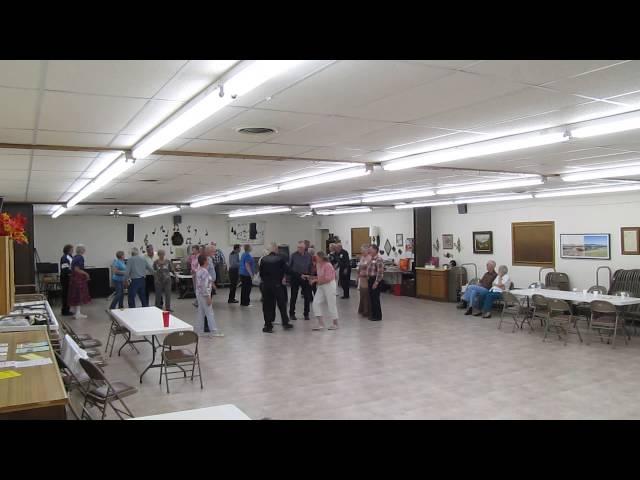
x=65 y=276
x=300 y=262
x=273 y=268
x=344 y=269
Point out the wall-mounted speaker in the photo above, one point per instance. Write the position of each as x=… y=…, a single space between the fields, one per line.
x=130 y=232
x=462 y=208
x=177 y=219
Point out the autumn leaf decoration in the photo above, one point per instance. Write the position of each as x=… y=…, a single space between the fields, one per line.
x=13 y=227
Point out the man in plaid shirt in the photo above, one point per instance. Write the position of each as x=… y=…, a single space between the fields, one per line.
x=218 y=259
x=375 y=272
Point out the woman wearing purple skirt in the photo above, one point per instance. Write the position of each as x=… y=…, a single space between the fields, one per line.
x=79 y=283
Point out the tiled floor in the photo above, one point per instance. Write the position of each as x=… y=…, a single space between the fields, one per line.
x=425 y=360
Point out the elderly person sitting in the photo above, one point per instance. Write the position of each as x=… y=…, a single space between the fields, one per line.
x=473 y=290
x=485 y=299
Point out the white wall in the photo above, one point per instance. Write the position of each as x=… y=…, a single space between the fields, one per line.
x=390 y=222
x=103 y=236
x=597 y=214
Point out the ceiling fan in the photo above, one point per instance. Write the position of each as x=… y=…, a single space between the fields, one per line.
x=117 y=213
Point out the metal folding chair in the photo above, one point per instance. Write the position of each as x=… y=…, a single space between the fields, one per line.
x=539 y=309
x=559 y=318
x=116 y=329
x=605 y=316
x=102 y=393
x=83 y=340
x=512 y=306
x=180 y=357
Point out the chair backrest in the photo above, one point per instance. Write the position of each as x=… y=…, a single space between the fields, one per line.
x=474 y=281
x=557 y=305
x=557 y=279
x=623 y=294
x=602 y=307
x=598 y=288
x=180 y=339
x=510 y=299
x=92 y=371
x=539 y=300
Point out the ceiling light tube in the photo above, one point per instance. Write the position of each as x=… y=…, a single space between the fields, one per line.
x=210 y=101
x=345 y=210
x=424 y=204
x=500 y=198
x=478 y=149
x=482 y=187
x=235 y=196
x=159 y=211
x=108 y=174
x=588 y=191
x=326 y=178
x=262 y=211
x=613 y=172
x=336 y=203
x=59 y=211
x=384 y=197
x=603 y=126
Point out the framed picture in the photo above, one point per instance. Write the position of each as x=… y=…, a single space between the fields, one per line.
x=482 y=242
x=399 y=240
x=447 y=241
x=533 y=244
x=408 y=247
x=585 y=245
x=630 y=239
x=246 y=232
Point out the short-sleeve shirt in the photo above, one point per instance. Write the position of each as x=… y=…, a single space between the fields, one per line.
x=78 y=261
x=247 y=258
x=118 y=265
x=326 y=272
x=506 y=281
x=162 y=269
x=194 y=264
x=203 y=282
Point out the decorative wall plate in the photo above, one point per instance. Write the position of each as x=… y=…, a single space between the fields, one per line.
x=387 y=246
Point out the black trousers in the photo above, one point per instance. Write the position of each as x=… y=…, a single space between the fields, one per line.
x=64 y=281
x=233 y=283
x=245 y=292
x=345 y=281
x=374 y=297
x=300 y=284
x=149 y=286
x=272 y=295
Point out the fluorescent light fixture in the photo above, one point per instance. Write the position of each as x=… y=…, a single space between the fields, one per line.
x=344 y=210
x=610 y=125
x=211 y=101
x=262 y=211
x=111 y=172
x=613 y=172
x=336 y=203
x=482 y=187
x=326 y=178
x=424 y=204
x=502 y=198
x=235 y=196
x=478 y=149
x=384 y=197
x=59 y=211
x=159 y=211
x=588 y=191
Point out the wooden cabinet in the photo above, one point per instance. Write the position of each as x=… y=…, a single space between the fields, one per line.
x=7 y=286
x=432 y=284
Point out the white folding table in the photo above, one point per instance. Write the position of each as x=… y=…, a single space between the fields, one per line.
x=579 y=297
x=147 y=322
x=220 y=412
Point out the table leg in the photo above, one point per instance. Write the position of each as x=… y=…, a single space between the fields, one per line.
x=153 y=355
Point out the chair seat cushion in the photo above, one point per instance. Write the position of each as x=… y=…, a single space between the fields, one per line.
x=178 y=356
x=122 y=389
x=90 y=343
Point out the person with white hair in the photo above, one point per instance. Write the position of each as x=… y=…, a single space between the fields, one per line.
x=482 y=287
x=137 y=269
x=273 y=268
x=484 y=300
x=163 y=269
x=79 y=283
x=325 y=295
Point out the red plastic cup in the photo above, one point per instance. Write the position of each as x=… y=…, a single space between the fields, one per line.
x=165 y=318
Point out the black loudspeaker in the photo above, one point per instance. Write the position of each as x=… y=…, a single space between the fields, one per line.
x=462 y=208
x=177 y=219
x=130 y=232
x=253 y=231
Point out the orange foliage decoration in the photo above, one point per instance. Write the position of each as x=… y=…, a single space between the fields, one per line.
x=13 y=227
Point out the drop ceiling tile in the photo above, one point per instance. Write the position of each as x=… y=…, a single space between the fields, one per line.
x=605 y=83
x=13 y=162
x=335 y=153
x=18 y=108
x=10 y=135
x=456 y=90
x=214 y=146
x=48 y=137
x=456 y=64
x=331 y=131
x=276 y=149
x=151 y=115
x=60 y=163
x=17 y=175
x=48 y=187
x=20 y=73
x=349 y=84
x=126 y=141
x=396 y=135
x=54 y=177
x=193 y=78
x=124 y=78
x=86 y=113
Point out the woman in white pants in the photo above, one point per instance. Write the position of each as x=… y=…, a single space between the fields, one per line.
x=203 y=295
x=326 y=293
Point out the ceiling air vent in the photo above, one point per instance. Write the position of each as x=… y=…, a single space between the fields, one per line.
x=256 y=130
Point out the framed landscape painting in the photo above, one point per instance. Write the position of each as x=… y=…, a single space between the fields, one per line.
x=585 y=245
x=447 y=241
x=482 y=242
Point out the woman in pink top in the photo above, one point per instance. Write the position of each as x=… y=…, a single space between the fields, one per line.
x=326 y=292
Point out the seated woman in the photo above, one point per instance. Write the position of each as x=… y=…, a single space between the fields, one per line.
x=485 y=299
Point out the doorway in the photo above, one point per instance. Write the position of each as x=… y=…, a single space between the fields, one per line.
x=321 y=237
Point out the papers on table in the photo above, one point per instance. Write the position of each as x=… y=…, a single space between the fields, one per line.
x=32 y=347
x=9 y=374
x=25 y=363
x=4 y=350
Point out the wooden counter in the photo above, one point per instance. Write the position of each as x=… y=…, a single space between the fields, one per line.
x=38 y=393
x=432 y=283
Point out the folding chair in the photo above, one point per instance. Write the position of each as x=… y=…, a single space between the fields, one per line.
x=83 y=340
x=178 y=358
x=559 y=318
x=511 y=305
x=605 y=316
x=70 y=382
x=116 y=329
x=102 y=393
x=539 y=309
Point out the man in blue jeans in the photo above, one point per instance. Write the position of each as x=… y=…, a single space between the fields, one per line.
x=137 y=269
x=469 y=297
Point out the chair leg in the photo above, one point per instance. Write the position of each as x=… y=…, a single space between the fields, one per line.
x=199 y=372
x=166 y=376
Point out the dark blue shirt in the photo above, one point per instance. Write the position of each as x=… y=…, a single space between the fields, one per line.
x=247 y=258
x=78 y=261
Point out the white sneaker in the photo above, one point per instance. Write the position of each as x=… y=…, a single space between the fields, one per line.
x=318 y=328
x=216 y=334
x=79 y=316
x=333 y=327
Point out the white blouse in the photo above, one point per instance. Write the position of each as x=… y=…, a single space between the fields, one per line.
x=504 y=280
